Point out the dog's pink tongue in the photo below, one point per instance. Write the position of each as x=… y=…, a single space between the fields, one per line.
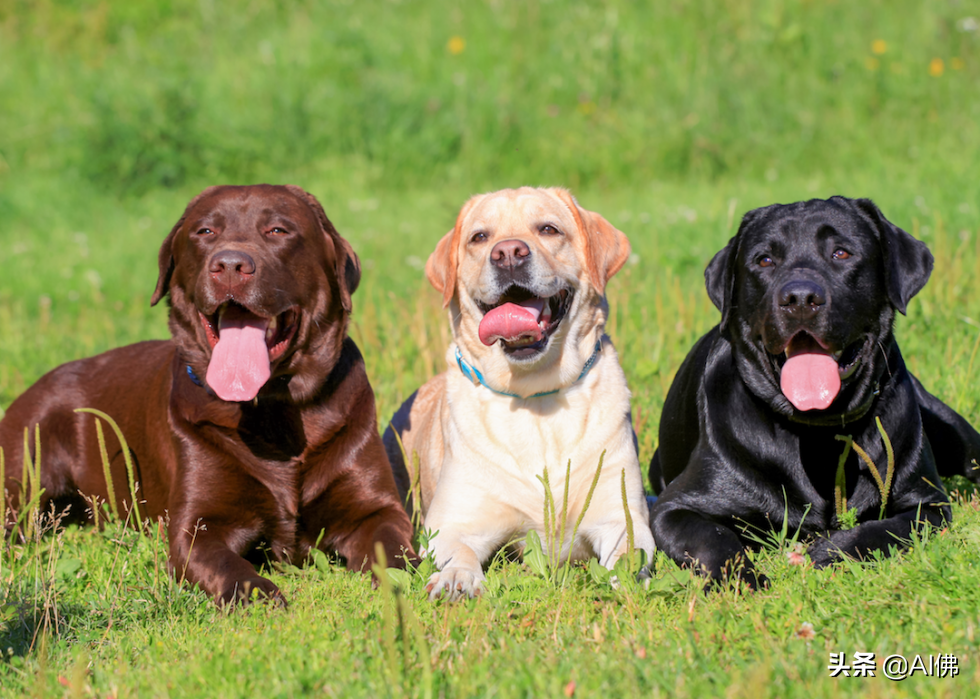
x=239 y=364
x=810 y=378
x=513 y=321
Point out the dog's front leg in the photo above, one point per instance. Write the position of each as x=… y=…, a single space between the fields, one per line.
x=459 y=546
x=360 y=509
x=217 y=514
x=460 y=569
x=877 y=535
x=200 y=553
x=610 y=540
x=356 y=538
x=691 y=539
x=604 y=523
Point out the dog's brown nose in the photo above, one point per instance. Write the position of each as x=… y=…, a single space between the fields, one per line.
x=508 y=254
x=801 y=297
x=229 y=265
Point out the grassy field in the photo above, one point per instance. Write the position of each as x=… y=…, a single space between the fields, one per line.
x=671 y=119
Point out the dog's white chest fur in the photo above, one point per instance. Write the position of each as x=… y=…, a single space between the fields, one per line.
x=521 y=437
x=496 y=451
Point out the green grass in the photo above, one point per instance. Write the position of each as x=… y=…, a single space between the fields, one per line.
x=671 y=119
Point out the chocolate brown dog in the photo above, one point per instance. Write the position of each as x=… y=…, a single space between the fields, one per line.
x=255 y=425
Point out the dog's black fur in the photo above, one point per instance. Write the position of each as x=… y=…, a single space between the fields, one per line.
x=736 y=458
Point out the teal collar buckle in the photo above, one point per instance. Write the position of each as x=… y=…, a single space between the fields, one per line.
x=474 y=375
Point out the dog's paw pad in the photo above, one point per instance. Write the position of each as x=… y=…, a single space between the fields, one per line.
x=455 y=584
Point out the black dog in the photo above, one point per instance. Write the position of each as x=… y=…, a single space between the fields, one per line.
x=804 y=356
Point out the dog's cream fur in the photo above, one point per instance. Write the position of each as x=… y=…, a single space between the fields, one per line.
x=481 y=453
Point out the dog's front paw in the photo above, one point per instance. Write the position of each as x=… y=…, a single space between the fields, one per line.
x=753 y=579
x=456 y=583
x=826 y=549
x=255 y=589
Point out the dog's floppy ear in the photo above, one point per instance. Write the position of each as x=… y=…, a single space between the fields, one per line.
x=908 y=262
x=166 y=263
x=165 y=259
x=719 y=278
x=606 y=247
x=719 y=275
x=440 y=268
x=347 y=267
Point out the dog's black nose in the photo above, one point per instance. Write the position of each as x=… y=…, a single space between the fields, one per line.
x=508 y=254
x=231 y=263
x=801 y=297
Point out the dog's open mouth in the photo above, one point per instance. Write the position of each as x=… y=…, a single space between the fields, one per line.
x=243 y=347
x=521 y=321
x=810 y=374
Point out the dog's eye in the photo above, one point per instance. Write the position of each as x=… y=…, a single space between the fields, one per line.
x=548 y=229
x=841 y=254
x=205 y=231
x=278 y=230
x=764 y=261
x=478 y=237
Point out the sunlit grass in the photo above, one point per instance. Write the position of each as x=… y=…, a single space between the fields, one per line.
x=670 y=119
x=100 y=611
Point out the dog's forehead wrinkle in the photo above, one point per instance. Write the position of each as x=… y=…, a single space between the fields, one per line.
x=485 y=217
x=210 y=217
x=281 y=215
x=523 y=210
x=825 y=230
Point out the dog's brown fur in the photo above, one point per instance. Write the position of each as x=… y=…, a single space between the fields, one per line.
x=300 y=466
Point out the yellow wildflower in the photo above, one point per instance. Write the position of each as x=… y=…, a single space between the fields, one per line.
x=936 y=67
x=879 y=46
x=456 y=45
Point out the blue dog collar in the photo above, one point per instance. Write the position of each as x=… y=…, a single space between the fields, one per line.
x=474 y=375
x=190 y=372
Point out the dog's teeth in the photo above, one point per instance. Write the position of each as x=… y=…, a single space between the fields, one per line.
x=270 y=330
x=836 y=355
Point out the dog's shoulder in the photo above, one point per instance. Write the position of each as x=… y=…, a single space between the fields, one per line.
x=420 y=409
x=710 y=360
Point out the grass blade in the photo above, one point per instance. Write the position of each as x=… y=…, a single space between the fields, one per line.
x=890 y=465
x=840 y=480
x=110 y=488
x=127 y=457
x=629 y=522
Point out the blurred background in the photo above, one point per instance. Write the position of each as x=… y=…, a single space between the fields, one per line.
x=670 y=118
x=128 y=98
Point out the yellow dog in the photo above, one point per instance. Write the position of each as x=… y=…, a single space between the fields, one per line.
x=533 y=382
